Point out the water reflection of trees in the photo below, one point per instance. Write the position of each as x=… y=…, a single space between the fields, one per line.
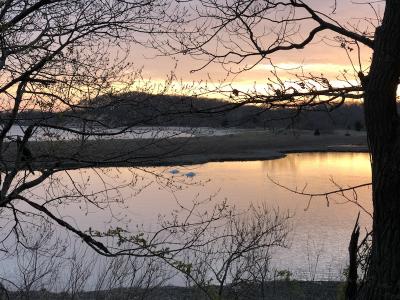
x=49 y=266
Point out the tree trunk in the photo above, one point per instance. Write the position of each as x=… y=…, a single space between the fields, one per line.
x=382 y=121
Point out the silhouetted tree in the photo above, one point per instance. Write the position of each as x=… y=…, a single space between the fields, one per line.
x=358 y=125
x=56 y=57
x=248 y=32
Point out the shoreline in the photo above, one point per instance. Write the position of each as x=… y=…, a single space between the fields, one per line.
x=278 y=289
x=267 y=155
x=247 y=146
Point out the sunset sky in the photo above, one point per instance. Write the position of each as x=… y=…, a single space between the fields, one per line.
x=316 y=58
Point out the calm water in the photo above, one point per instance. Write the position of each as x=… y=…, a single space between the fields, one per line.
x=46 y=134
x=320 y=233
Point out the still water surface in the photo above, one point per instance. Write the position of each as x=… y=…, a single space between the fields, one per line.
x=320 y=234
x=142 y=132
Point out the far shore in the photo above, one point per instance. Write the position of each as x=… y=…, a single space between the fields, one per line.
x=244 y=146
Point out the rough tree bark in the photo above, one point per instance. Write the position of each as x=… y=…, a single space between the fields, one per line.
x=382 y=122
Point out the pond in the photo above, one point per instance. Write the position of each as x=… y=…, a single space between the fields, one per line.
x=138 y=132
x=320 y=230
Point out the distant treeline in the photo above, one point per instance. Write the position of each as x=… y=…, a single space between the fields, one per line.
x=140 y=109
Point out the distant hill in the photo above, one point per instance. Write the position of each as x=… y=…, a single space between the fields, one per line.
x=166 y=110
x=141 y=109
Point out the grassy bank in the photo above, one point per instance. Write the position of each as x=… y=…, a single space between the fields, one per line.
x=252 y=145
